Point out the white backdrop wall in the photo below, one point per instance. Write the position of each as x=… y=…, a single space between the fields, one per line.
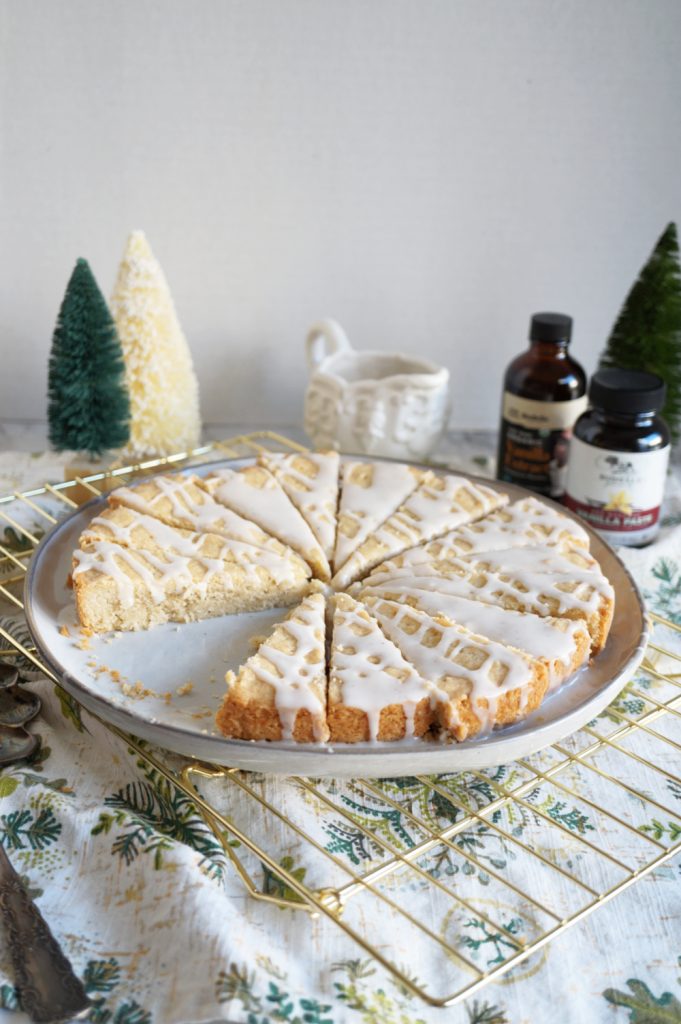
x=429 y=172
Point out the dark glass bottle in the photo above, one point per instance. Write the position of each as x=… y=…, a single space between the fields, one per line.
x=619 y=456
x=544 y=393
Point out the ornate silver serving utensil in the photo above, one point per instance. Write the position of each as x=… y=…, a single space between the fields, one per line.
x=49 y=990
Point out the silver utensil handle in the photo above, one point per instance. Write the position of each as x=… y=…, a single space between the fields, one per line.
x=49 y=990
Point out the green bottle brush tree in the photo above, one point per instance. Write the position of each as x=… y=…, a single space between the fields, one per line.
x=88 y=406
x=647 y=334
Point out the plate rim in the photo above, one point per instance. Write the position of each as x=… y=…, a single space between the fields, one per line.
x=102 y=707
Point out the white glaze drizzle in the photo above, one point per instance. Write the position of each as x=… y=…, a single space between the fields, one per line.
x=192 y=508
x=370 y=492
x=437 y=505
x=461 y=543
x=310 y=480
x=432 y=648
x=552 y=526
x=537 y=559
x=178 y=547
x=181 y=541
x=527 y=523
x=548 y=639
x=269 y=506
x=158 y=575
x=291 y=675
x=528 y=587
x=363 y=660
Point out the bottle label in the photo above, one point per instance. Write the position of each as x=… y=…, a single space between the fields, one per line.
x=618 y=493
x=534 y=442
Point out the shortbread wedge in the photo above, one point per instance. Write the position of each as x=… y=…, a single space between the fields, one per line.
x=124 y=525
x=526 y=523
x=280 y=692
x=310 y=479
x=255 y=494
x=562 y=645
x=438 y=505
x=133 y=571
x=374 y=694
x=182 y=501
x=370 y=493
x=537 y=559
x=584 y=595
x=487 y=684
x=547 y=523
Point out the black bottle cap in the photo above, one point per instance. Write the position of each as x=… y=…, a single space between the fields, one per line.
x=550 y=327
x=627 y=391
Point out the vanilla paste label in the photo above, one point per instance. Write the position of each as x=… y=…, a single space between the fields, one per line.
x=617 y=493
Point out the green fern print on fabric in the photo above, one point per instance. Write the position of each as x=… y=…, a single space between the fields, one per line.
x=446 y=800
x=100 y=979
x=28 y=830
x=643 y=1006
x=666 y=599
x=495 y=946
x=151 y=815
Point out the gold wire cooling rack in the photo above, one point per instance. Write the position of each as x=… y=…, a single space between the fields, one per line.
x=464 y=876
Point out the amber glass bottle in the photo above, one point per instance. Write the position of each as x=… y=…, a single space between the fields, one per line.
x=544 y=393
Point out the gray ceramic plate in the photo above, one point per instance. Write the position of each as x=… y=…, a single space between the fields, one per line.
x=173 y=714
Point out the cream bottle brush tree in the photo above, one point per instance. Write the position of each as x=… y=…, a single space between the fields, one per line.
x=164 y=392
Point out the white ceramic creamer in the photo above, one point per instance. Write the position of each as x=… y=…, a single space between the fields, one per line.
x=372 y=403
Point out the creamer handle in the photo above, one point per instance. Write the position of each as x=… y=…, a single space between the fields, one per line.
x=323 y=339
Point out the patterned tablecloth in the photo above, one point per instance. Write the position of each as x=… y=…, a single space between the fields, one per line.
x=157 y=923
